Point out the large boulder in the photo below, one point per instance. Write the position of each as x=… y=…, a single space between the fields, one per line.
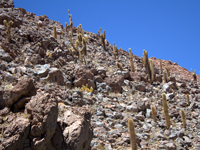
x=54 y=75
x=84 y=76
x=16 y=133
x=114 y=83
x=76 y=127
x=43 y=111
x=24 y=88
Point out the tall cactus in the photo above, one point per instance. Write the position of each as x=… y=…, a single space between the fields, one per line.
x=114 y=51
x=161 y=66
x=194 y=76
x=183 y=118
x=165 y=108
x=103 y=36
x=8 y=25
x=131 y=128
x=54 y=32
x=152 y=71
x=131 y=60
x=153 y=113
x=164 y=77
x=188 y=99
x=168 y=70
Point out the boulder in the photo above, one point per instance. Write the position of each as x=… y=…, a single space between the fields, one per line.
x=83 y=76
x=77 y=131
x=16 y=133
x=43 y=111
x=114 y=83
x=24 y=88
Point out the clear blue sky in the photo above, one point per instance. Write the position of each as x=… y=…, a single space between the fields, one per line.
x=167 y=29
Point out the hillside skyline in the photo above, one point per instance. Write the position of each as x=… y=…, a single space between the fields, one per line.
x=168 y=30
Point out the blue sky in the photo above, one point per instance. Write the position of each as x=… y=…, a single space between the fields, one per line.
x=167 y=29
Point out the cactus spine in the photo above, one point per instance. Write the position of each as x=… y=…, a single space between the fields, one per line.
x=131 y=128
x=131 y=60
x=8 y=25
x=165 y=108
x=153 y=113
x=183 y=118
x=54 y=32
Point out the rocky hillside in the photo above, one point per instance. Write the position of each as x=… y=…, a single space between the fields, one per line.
x=64 y=88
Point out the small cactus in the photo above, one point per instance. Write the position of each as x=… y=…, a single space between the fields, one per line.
x=54 y=32
x=120 y=66
x=165 y=108
x=131 y=128
x=38 y=26
x=153 y=113
x=131 y=60
x=183 y=118
x=8 y=25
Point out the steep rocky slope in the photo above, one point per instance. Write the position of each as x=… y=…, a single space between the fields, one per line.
x=42 y=104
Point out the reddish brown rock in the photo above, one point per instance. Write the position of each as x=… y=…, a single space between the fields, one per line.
x=114 y=83
x=84 y=76
x=134 y=76
x=76 y=127
x=43 y=111
x=24 y=88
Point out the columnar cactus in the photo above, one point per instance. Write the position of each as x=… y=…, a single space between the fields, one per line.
x=153 y=113
x=168 y=70
x=131 y=60
x=164 y=77
x=66 y=27
x=146 y=63
x=188 y=98
x=103 y=36
x=54 y=32
x=161 y=66
x=194 y=76
x=114 y=51
x=38 y=26
x=165 y=108
x=152 y=71
x=183 y=118
x=8 y=25
x=131 y=128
